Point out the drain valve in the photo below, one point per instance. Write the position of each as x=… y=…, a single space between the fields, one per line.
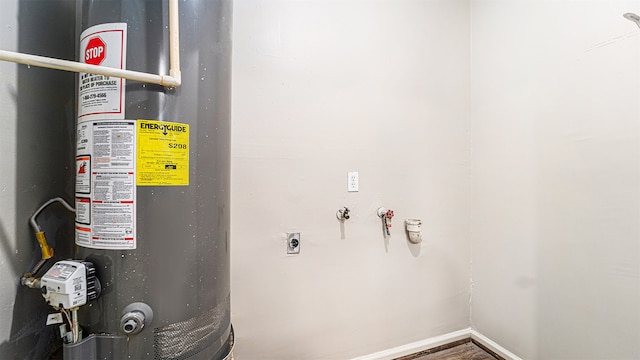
x=134 y=317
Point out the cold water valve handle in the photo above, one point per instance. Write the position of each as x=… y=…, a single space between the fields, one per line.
x=343 y=214
x=386 y=216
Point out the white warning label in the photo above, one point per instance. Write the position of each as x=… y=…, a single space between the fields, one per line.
x=110 y=186
x=83 y=210
x=100 y=96
x=113 y=145
x=83 y=171
x=105 y=203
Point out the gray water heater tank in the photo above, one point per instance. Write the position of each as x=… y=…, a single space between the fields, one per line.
x=180 y=266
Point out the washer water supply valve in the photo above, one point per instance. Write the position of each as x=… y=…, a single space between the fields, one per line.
x=386 y=216
x=343 y=214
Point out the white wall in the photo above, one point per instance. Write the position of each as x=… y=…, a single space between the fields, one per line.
x=326 y=87
x=37 y=128
x=382 y=87
x=556 y=169
x=8 y=130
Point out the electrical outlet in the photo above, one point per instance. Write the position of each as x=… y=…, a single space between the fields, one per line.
x=352 y=181
x=293 y=243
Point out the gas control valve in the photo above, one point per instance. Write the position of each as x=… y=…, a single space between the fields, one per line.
x=70 y=283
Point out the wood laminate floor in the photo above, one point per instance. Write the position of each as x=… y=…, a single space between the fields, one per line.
x=466 y=351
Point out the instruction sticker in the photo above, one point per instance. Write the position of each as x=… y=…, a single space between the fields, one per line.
x=162 y=153
x=83 y=210
x=100 y=96
x=83 y=171
x=105 y=184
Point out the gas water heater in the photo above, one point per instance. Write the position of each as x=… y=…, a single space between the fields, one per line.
x=150 y=276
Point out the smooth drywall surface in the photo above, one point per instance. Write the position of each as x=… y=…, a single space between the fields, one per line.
x=556 y=174
x=322 y=88
x=8 y=126
x=36 y=163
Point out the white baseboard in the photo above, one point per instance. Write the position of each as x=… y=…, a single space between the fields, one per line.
x=434 y=342
x=493 y=346
x=417 y=346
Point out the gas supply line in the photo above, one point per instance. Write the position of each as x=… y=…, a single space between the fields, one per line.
x=47 y=251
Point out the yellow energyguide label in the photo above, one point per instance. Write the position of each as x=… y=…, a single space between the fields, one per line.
x=162 y=153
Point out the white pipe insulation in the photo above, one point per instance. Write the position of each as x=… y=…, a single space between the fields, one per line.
x=173 y=80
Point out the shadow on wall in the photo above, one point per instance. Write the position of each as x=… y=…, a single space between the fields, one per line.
x=45 y=166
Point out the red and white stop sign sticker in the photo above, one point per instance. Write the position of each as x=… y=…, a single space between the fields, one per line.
x=101 y=96
x=94 y=54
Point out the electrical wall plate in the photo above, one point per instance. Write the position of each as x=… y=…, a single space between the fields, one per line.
x=352 y=181
x=293 y=243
